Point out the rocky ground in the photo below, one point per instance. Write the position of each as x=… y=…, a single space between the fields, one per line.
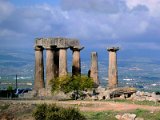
x=22 y=109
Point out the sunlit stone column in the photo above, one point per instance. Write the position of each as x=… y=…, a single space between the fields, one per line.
x=50 y=71
x=76 y=61
x=63 y=61
x=112 y=69
x=94 y=69
x=39 y=68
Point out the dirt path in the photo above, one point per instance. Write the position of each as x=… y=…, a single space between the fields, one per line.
x=91 y=105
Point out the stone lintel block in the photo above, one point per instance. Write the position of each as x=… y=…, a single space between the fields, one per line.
x=113 y=49
x=59 y=42
x=73 y=42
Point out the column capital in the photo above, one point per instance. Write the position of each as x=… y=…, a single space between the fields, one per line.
x=113 y=49
x=76 y=48
x=38 y=48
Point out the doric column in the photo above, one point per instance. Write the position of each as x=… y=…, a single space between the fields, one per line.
x=112 y=69
x=94 y=69
x=63 y=61
x=76 y=61
x=39 y=68
x=50 y=72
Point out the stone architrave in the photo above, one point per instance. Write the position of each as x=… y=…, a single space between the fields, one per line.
x=112 y=69
x=94 y=69
x=63 y=61
x=50 y=71
x=76 y=61
x=39 y=68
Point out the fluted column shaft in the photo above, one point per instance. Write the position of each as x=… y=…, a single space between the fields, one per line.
x=50 y=71
x=39 y=68
x=112 y=69
x=62 y=62
x=94 y=69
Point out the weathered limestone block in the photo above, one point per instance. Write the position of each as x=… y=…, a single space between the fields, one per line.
x=153 y=94
x=126 y=116
x=133 y=95
x=142 y=93
x=139 y=98
x=59 y=42
x=39 y=68
x=147 y=94
x=100 y=89
x=154 y=99
x=112 y=69
x=103 y=94
x=138 y=93
x=94 y=69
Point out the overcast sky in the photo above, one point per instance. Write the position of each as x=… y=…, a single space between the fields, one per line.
x=130 y=24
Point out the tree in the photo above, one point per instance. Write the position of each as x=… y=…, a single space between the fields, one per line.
x=75 y=84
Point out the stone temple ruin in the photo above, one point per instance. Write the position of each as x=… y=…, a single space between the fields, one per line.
x=56 y=59
x=56 y=64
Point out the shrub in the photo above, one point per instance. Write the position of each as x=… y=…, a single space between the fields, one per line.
x=54 y=112
x=75 y=84
x=40 y=112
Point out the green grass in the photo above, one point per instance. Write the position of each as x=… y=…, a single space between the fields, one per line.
x=147 y=114
x=107 y=115
x=145 y=102
x=110 y=115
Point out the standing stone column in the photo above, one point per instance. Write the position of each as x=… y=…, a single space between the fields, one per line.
x=112 y=69
x=93 y=73
x=39 y=68
x=76 y=61
x=63 y=61
x=50 y=71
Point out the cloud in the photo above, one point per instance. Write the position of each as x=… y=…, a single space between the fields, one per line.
x=6 y=8
x=101 y=6
x=95 y=22
x=152 y=5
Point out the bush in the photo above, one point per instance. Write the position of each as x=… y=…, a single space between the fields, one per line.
x=40 y=112
x=54 y=112
x=75 y=84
